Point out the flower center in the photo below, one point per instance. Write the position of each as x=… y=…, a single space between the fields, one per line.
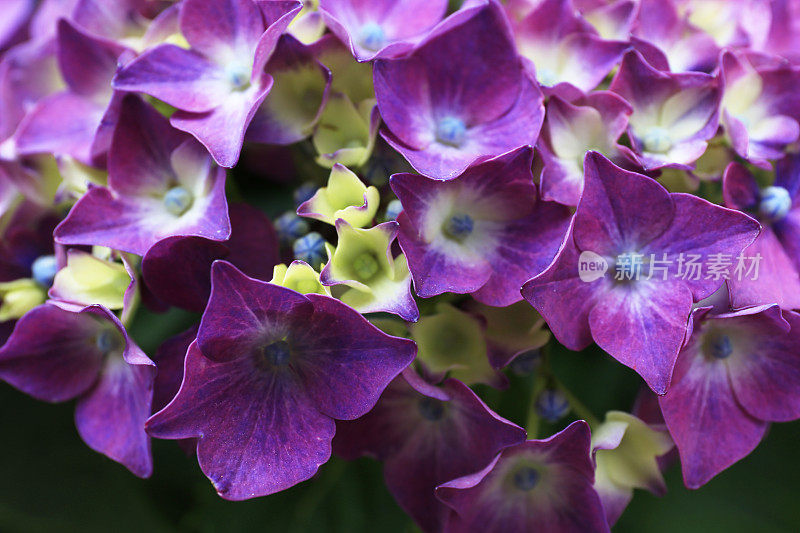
x=365 y=266
x=238 y=76
x=720 y=346
x=372 y=36
x=459 y=226
x=657 y=140
x=431 y=409
x=546 y=77
x=451 y=131
x=178 y=200
x=526 y=478
x=277 y=353
x=775 y=203
x=628 y=266
x=44 y=270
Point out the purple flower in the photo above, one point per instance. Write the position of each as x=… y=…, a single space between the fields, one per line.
x=220 y=81
x=381 y=28
x=79 y=120
x=59 y=352
x=161 y=183
x=673 y=114
x=569 y=57
x=539 y=485
x=594 y=122
x=738 y=372
x=178 y=269
x=294 y=105
x=484 y=232
x=270 y=371
x=457 y=99
x=638 y=312
x=760 y=109
x=777 y=207
x=426 y=435
x=669 y=42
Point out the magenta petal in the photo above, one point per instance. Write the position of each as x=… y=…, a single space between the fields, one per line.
x=182 y=78
x=704 y=229
x=423 y=446
x=222 y=28
x=644 y=327
x=766 y=378
x=563 y=299
x=48 y=354
x=222 y=129
x=257 y=435
x=123 y=394
x=86 y=62
x=341 y=375
x=64 y=123
x=562 y=499
x=605 y=223
x=700 y=403
x=141 y=149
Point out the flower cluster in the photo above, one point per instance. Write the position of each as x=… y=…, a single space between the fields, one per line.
x=476 y=185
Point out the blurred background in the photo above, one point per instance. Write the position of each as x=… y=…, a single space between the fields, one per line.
x=52 y=482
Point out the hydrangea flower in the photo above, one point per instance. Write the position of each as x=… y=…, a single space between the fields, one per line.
x=305 y=359
x=674 y=114
x=640 y=318
x=669 y=42
x=760 y=111
x=571 y=129
x=60 y=352
x=381 y=28
x=372 y=279
x=457 y=99
x=220 y=81
x=345 y=197
x=177 y=269
x=484 y=232
x=738 y=372
x=539 y=485
x=283 y=118
x=626 y=452
x=160 y=184
x=777 y=208
x=79 y=120
x=426 y=435
x=568 y=56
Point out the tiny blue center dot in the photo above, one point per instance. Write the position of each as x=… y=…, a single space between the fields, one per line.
x=526 y=478
x=721 y=347
x=776 y=202
x=451 y=131
x=431 y=409
x=657 y=140
x=459 y=226
x=277 y=353
x=44 y=270
x=372 y=36
x=178 y=200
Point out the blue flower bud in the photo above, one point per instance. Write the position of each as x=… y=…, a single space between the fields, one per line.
x=393 y=210
x=290 y=227
x=311 y=249
x=43 y=270
x=451 y=131
x=552 y=405
x=304 y=192
x=775 y=203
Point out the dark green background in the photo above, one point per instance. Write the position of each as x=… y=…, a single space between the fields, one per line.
x=52 y=482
